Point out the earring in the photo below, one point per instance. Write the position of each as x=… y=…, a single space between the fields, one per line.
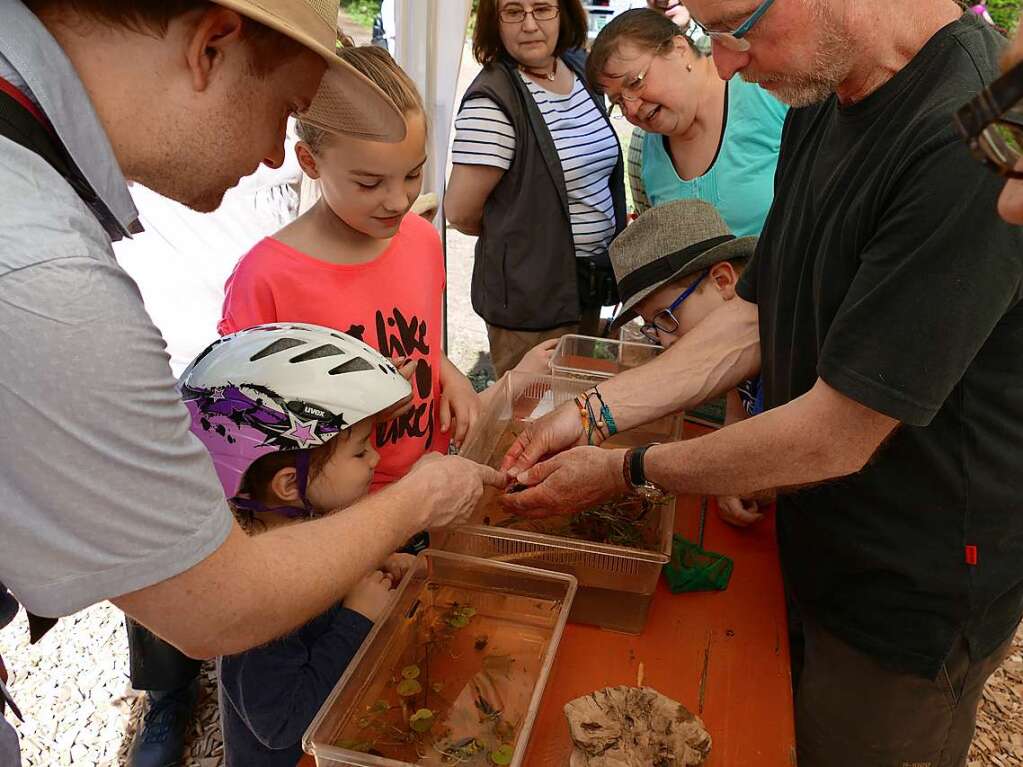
x=689 y=67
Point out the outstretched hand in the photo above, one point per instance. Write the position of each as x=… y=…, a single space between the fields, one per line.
x=449 y=487
x=572 y=481
x=554 y=432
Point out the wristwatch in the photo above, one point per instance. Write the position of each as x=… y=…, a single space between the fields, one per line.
x=635 y=476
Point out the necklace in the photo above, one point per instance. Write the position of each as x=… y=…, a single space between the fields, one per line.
x=546 y=75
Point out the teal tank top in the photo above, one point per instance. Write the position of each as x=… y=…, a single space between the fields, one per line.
x=740 y=183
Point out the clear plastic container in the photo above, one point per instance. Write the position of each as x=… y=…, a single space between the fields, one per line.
x=477 y=638
x=617 y=574
x=589 y=357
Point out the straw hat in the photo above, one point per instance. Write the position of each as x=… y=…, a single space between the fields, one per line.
x=668 y=242
x=347 y=101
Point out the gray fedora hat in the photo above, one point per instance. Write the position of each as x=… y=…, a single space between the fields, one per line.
x=668 y=242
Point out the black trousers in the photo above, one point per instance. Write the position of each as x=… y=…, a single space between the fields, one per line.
x=155 y=665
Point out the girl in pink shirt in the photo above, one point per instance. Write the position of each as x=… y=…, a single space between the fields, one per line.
x=360 y=262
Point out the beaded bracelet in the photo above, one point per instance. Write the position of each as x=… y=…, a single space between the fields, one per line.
x=605 y=414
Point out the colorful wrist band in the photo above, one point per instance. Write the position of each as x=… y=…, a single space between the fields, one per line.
x=605 y=414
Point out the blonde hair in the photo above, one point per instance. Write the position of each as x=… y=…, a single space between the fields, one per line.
x=376 y=64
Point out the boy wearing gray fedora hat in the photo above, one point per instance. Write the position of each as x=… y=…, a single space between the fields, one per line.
x=676 y=264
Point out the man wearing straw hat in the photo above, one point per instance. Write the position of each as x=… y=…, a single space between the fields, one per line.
x=884 y=311
x=185 y=97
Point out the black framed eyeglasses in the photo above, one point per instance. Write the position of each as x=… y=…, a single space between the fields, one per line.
x=516 y=14
x=665 y=320
x=992 y=124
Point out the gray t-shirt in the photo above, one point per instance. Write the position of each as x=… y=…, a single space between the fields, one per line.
x=103 y=488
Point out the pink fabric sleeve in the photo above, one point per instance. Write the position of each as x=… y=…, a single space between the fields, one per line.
x=248 y=299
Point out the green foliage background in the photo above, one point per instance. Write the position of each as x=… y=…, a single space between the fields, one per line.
x=1005 y=13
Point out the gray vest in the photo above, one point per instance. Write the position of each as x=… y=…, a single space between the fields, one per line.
x=526 y=275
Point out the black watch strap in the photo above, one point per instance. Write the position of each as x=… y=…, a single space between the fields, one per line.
x=637 y=474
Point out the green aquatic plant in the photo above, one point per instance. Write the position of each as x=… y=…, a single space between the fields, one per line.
x=407 y=688
x=421 y=721
x=502 y=755
x=624 y=522
x=410 y=672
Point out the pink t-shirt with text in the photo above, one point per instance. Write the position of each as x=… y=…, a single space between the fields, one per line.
x=392 y=303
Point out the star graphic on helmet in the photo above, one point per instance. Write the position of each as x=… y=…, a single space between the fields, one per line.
x=218 y=394
x=302 y=432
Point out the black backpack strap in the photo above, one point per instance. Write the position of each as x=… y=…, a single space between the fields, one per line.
x=22 y=127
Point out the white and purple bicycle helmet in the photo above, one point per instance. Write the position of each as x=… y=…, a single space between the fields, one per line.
x=283 y=387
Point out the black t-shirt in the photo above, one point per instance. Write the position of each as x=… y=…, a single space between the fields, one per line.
x=884 y=269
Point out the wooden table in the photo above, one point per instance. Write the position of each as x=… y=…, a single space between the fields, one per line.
x=723 y=655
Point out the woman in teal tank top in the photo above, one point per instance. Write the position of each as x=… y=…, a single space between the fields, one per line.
x=702 y=138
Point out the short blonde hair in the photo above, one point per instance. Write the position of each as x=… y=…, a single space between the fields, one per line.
x=378 y=65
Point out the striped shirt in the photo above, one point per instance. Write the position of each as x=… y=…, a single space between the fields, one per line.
x=586 y=146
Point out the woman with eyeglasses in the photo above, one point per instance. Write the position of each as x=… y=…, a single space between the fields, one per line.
x=538 y=175
x=703 y=138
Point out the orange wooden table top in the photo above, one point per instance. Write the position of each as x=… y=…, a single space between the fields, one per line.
x=724 y=655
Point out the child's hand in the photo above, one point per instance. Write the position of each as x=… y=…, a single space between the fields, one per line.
x=397 y=565
x=459 y=403
x=741 y=512
x=407 y=369
x=538 y=359
x=370 y=596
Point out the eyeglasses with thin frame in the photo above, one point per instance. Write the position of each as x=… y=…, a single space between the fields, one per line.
x=735 y=40
x=633 y=86
x=516 y=14
x=665 y=320
x=992 y=124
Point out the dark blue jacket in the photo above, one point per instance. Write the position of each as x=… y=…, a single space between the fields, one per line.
x=269 y=696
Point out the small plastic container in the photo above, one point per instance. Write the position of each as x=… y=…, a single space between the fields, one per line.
x=477 y=638
x=600 y=358
x=616 y=582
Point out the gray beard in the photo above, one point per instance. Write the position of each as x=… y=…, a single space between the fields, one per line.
x=804 y=92
x=831 y=65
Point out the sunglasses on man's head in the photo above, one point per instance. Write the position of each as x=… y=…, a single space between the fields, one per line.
x=992 y=123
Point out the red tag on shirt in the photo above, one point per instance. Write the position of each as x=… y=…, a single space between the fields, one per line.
x=971 y=555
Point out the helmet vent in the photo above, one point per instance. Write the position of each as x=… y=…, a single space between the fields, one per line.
x=326 y=350
x=354 y=365
x=276 y=347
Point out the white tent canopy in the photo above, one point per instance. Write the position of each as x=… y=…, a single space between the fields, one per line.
x=429 y=44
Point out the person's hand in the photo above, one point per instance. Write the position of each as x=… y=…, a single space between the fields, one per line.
x=679 y=14
x=741 y=512
x=559 y=430
x=459 y=404
x=397 y=565
x=573 y=481
x=673 y=9
x=538 y=359
x=370 y=596
x=447 y=488
x=407 y=369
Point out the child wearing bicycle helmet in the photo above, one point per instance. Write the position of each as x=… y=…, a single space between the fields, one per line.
x=287 y=413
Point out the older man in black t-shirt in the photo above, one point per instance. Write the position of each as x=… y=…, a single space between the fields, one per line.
x=884 y=310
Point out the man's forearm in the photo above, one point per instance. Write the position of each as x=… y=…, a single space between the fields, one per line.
x=720 y=352
x=254 y=589
x=819 y=436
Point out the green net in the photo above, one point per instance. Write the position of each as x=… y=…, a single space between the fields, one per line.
x=693 y=568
